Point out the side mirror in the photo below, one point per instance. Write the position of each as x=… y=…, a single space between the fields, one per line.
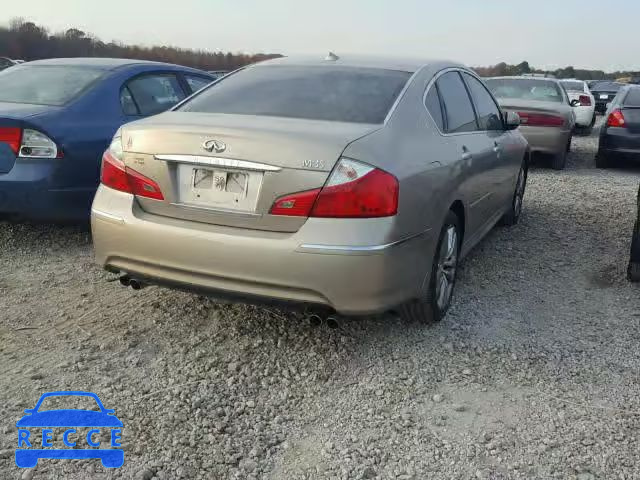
x=575 y=103
x=511 y=120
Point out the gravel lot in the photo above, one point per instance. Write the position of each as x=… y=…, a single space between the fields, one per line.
x=534 y=373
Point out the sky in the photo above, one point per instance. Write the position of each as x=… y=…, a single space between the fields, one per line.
x=547 y=33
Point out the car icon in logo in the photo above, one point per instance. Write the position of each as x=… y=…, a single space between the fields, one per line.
x=95 y=422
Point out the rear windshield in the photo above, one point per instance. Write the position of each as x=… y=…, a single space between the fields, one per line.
x=525 y=89
x=45 y=85
x=633 y=98
x=571 y=85
x=607 y=86
x=341 y=94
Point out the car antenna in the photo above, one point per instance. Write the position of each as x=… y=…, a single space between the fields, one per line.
x=332 y=57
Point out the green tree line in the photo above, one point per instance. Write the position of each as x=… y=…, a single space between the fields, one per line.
x=27 y=41
x=503 y=69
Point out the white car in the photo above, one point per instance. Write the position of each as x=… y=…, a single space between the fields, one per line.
x=586 y=111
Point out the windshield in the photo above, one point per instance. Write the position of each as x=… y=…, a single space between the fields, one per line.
x=525 y=89
x=66 y=402
x=573 y=85
x=341 y=94
x=45 y=85
x=606 y=86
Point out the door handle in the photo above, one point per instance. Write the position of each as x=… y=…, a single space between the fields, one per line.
x=466 y=154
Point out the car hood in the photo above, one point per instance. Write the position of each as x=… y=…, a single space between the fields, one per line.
x=69 y=418
x=23 y=110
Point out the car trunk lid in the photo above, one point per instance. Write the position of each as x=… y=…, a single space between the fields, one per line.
x=229 y=169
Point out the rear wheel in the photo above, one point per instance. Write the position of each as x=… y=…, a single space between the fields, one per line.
x=601 y=160
x=560 y=160
x=513 y=215
x=435 y=304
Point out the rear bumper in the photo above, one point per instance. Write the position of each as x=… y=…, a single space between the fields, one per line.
x=27 y=190
x=619 y=142
x=250 y=264
x=584 y=116
x=548 y=140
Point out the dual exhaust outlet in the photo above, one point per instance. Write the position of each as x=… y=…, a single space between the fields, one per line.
x=315 y=319
x=134 y=283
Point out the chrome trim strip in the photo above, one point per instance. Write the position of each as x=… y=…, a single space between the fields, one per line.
x=346 y=249
x=107 y=216
x=219 y=211
x=218 y=162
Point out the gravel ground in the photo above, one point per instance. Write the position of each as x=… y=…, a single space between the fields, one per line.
x=533 y=374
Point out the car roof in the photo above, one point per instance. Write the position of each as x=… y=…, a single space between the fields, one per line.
x=102 y=63
x=363 y=61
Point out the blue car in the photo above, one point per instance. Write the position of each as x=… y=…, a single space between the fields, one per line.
x=58 y=116
x=27 y=455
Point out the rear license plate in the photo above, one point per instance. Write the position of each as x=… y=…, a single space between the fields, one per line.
x=604 y=97
x=225 y=189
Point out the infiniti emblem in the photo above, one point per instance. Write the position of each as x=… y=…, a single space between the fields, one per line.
x=214 y=146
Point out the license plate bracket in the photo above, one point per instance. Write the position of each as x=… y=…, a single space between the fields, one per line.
x=216 y=188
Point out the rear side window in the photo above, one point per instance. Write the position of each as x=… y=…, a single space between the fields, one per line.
x=633 y=98
x=327 y=92
x=432 y=102
x=44 y=84
x=459 y=111
x=196 y=82
x=486 y=108
x=154 y=93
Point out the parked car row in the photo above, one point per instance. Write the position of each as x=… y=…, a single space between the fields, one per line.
x=57 y=117
x=369 y=179
x=546 y=112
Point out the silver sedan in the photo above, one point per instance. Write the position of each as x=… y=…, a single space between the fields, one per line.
x=348 y=185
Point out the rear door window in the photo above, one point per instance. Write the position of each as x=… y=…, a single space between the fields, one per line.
x=432 y=102
x=459 y=113
x=154 y=93
x=486 y=108
x=197 y=82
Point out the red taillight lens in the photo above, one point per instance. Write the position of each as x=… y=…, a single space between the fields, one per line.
x=354 y=190
x=585 y=100
x=616 y=119
x=12 y=136
x=115 y=175
x=540 y=120
x=295 y=205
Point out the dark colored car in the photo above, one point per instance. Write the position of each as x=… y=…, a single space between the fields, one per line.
x=620 y=135
x=633 y=271
x=58 y=116
x=604 y=93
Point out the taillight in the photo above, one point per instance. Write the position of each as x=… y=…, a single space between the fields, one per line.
x=353 y=190
x=616 y=119
x=29 y=143
x=295 y=205
x=585 y=100
x=116 y=175
x=11 y=136
x=540 y=120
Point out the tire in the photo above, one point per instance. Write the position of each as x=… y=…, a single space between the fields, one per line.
x=633 y=271
x=559 y=161
x=513 y=215
x=431 y=308
x=601 y=160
